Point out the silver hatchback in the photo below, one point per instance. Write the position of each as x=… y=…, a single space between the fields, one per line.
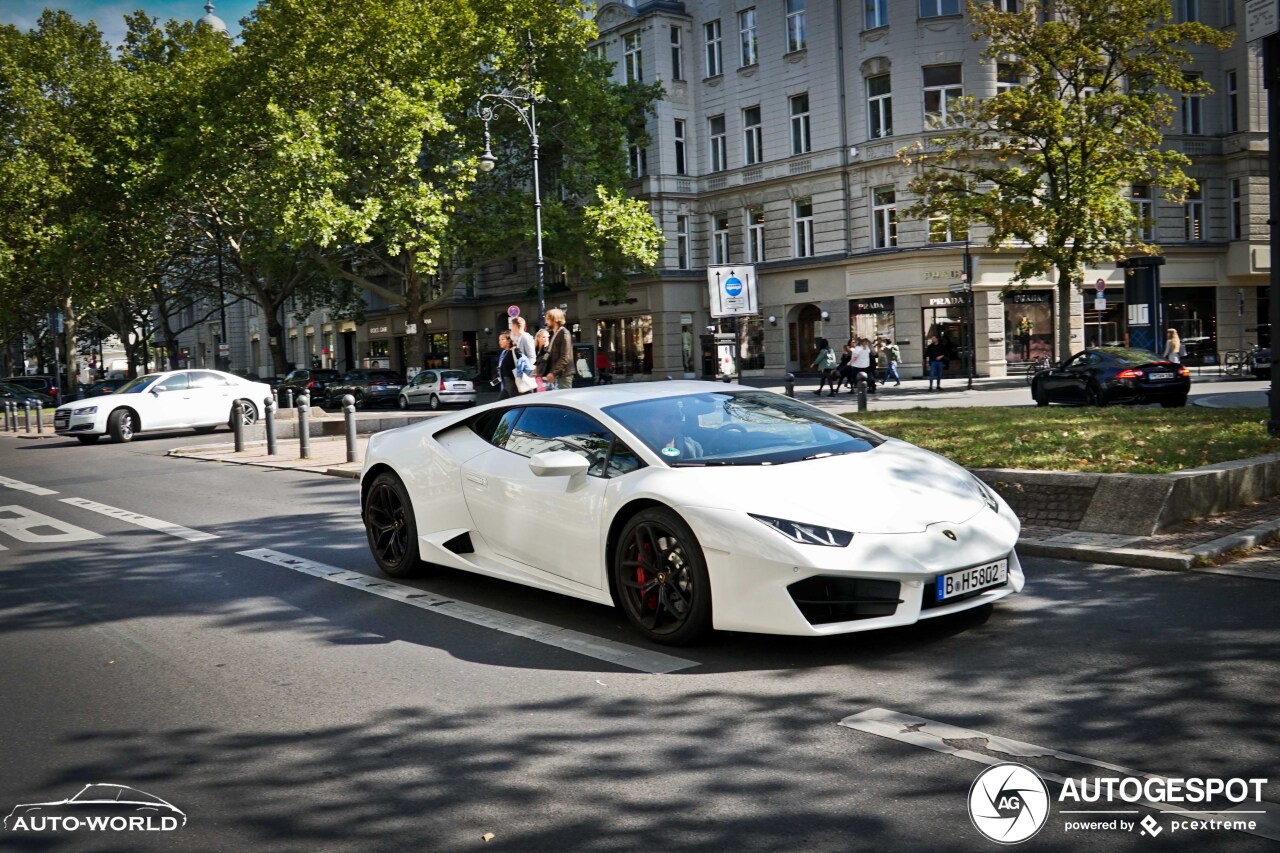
x=436 y=388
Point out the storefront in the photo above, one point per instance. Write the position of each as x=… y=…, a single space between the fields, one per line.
x=437 y=350
x=750 y=338
x=377 y=349
x=871 y=319
x=627 y=344
x=1105 y=327
x=1028 y=326
x=945 y=317
x=1193 y=312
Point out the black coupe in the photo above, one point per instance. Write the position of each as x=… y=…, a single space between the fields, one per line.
x=1097 y=377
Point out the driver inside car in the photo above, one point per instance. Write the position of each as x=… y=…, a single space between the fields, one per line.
x=663 y=431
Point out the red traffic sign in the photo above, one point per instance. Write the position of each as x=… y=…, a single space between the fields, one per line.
x=1100 y=284
x=513 y=312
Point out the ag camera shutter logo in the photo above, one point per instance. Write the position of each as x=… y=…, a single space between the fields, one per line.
x=1008 y=803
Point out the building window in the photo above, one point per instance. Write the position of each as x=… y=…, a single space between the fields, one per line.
x=719 y=152
x=682 y=167
x=943 y=229
x=1006 y=78
x=755 y=235
x=631 y=58
x=879 y=107
x=677 y=55
x=1193 y=215
x=800 y=124
x=720 y=239
x=1192 y=108
x=1140 y=200
x=711 y=33
x=877 y=14
x=1187 y=11
x=1229 y=13
x=1006 y=5
x=683 y=259
x=752 y=136
x=1233 y=102
x=638 y=159
x=1237 y=210
x=802 y=214
x=796 y=37
x=747 y=34
x=597 y=51
x=937 y=8
x=884 y=218
x=942 y=91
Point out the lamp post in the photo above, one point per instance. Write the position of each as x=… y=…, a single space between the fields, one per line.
x=522 y=100
x=967 y=278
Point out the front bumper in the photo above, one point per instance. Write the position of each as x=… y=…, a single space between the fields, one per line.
x=70 y=423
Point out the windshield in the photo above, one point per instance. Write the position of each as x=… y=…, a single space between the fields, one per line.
x=739 y=428
x=135 y=386
x=1130 y=356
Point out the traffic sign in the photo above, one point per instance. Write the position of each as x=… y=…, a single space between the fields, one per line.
x=959 y=288
x=1260 y=19
x=224 y=349
x=1100 y=284
x=513 y=312
x=1100 y=303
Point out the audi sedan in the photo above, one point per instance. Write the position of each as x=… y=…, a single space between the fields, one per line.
x=1098 y=377
x=691 y=506
x=178 y=399
x=368 y=387
x=436 y=388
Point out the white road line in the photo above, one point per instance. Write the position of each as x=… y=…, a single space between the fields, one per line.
x=20 y=486
x=141 y=520
x=953 y=740
x=631 y=657
x=27 y=525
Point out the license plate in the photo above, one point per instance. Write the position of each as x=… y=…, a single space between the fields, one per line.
x=969 y=580
x=1164 y=375
x=458 y=386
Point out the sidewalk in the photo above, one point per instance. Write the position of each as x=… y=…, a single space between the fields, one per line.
x=1244 y=542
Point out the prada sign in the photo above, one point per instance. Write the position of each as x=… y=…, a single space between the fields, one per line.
x=871 y=306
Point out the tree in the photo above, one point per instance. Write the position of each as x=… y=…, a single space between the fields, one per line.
x=1044 y=163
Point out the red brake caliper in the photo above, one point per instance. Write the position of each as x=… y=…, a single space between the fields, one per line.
x=650 y=599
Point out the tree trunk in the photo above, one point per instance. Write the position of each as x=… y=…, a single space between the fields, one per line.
x=416 y=356
x=69 y=325
x=1066 y=295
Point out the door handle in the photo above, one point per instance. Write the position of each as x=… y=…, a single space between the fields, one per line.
x=477 y=479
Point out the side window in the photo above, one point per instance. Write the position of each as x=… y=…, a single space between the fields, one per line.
x=176 y=382
x=1094 y=359
x=1078 y=361
x=205 y=379
x=494 y=427
x=622 y=460
x=544 y=428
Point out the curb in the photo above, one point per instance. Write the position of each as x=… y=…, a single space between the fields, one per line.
x=1251 y=537
x=1134 y=558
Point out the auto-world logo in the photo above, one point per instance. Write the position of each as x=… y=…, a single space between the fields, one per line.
x=98 y=808
x=1008 y=803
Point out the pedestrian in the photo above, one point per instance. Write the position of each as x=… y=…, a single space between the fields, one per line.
x=825 y=361
x=860 y=362
x=542 y=357
x=560 y=365
x=935 y=356
x=844 y=373
x=506 y=367
x=1172 y=347
x=873 y=356
x=892 y=356
x=522 y=341
x=604 y=368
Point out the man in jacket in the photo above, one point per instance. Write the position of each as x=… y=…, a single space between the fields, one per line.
x=560 y=371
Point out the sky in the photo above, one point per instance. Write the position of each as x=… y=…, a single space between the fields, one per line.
x=109 y=14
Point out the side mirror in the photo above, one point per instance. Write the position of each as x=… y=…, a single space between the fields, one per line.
x=557 y=463
x=158 y=389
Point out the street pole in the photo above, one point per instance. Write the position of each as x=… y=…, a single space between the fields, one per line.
x=218 y=359
x=1271 y=74
x=523 y=101
x=967 y=275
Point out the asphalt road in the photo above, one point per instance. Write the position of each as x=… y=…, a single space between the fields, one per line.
x=279 y=711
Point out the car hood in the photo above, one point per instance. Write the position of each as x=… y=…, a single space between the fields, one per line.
x=894 y=488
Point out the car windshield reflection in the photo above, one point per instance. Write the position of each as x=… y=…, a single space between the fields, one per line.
x=136 y=386
x=739 y=428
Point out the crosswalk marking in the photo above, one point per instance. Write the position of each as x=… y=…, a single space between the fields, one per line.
x=141 y=520
x=621 y=654
x=27 y=525
x=19 y=486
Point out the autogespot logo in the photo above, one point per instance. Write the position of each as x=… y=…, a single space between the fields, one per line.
x=1008 y=803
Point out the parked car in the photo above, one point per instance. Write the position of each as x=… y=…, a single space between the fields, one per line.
x=436 y=388
x=196 y=399
x=1097 y=377
x=46 y=386
x=104 y=386
x=312 y=380
x=16 y=394
x=369 y=386
x=691 y=505
x=1260 y=363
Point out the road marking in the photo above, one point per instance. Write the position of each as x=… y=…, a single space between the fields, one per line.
x=964 y=743
x=24 y=524
x=631 y=657
x=19 y=486
x=141 y=520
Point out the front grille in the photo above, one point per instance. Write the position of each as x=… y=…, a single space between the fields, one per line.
x=823 y=599
x=61 y=420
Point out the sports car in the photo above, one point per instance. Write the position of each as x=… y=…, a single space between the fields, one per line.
x=199 y=399
x=693 y=506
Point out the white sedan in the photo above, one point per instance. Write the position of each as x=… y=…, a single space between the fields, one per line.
x=194 y=399
x=692 y=505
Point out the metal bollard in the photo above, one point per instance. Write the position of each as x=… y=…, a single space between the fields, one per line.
x=304 y=426
x=791 y=385
x=288 y=399
x=269 y=412
x=26 y=415
x=40 y=420
x=862 y=391
x=349 y=419
x=237 y=424
x=7 y=404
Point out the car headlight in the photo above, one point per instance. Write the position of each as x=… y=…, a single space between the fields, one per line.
x=987 y=495
x=85 y=410
x=806 y=534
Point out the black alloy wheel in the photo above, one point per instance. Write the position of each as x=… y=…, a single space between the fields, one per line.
x=391 y=528
x=1039 y=394
x=121 y=426
x=1094 y=395
x=358 y=400
x=662 y=579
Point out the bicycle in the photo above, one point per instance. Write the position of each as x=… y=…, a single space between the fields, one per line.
x=1036 y=365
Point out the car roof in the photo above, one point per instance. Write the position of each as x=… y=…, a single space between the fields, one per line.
x=598 y=397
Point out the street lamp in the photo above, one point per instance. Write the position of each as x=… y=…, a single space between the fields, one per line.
x=521 y=100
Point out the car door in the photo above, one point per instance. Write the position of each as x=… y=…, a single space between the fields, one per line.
x=555 y=524
x=166 y=403
x=211 y=398
x=419 y=391
x=1065 y=383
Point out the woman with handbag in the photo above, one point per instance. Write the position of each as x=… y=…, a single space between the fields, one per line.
x=542 y=346
x=826 y=362
x=507 y=367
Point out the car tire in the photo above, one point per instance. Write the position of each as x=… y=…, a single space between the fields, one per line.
x=1095 y=396
x=666 y=596
x=434 y=403
x=1039 y=394
x=248 y=415
x=1175 y=403
x=359 y=400
x=120 y=426
x=88 y=439
x=403 y=402
x=390 y=527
